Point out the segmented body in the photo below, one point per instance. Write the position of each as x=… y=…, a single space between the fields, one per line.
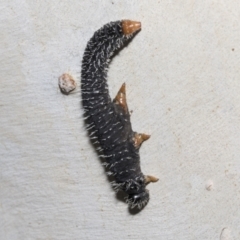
x=109 y=121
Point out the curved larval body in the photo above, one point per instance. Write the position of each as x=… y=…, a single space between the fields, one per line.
x=109 y=120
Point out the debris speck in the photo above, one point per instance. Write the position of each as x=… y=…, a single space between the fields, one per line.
x=225 y=234
x=66 y=83
x=209 y=185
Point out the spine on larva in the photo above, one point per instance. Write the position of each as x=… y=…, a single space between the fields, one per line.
x=109 y=121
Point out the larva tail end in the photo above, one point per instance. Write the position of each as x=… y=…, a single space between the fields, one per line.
x=129 y=27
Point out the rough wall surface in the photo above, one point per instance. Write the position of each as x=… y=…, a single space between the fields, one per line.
x=183 y=84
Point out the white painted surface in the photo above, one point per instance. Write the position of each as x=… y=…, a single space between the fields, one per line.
x=183 y=83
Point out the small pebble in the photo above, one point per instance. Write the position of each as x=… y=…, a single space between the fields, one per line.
x=66 y=83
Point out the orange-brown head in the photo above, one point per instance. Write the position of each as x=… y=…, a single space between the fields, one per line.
x=129 y=27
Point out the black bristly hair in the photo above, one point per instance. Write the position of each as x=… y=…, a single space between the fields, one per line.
x=109 y=121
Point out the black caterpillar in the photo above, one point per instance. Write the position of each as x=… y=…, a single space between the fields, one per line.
x=109 y=121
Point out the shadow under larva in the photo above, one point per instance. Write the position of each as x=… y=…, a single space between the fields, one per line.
x=108 y=121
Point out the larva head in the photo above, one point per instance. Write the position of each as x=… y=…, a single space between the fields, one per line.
x=138 y=195
x=130 y=27
x=138 y=199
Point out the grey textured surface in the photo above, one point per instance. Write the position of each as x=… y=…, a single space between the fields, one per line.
x=182 y=75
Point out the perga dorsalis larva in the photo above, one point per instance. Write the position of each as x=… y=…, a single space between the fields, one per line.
x=109 y=121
